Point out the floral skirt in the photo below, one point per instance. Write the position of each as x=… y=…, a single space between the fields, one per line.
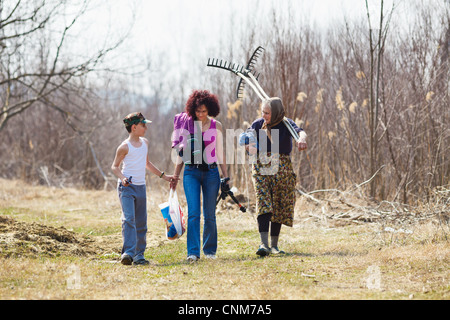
x=274 y=182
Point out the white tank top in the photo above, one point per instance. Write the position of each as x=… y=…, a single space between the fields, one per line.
x=134 y=162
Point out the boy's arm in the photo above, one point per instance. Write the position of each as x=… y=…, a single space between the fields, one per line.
x=153 y=169
x=121 y=152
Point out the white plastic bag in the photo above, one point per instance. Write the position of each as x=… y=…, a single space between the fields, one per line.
x=173 y=216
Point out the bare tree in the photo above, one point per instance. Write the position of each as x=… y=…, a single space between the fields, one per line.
x=368 y=97
x=376 y=48
x=32 y=64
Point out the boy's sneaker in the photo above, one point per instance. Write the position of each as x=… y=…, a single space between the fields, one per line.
x=210 y=256
x=141 y=262
x=275 y=250
x=192 y=258
x=126 y=259
x=263 y=251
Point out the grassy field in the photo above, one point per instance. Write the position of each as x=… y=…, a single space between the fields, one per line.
x=65 y=244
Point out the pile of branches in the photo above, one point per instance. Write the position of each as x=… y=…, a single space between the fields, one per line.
x=352 y=206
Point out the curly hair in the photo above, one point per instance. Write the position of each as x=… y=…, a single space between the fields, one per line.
x=200 y=97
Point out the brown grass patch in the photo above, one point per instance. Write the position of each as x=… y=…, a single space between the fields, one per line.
x=65 y=244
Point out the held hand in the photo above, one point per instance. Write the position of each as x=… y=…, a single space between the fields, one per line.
x=126 y=182
x=225 y=184
x=174 y=181
x=251 y=149
x=169 y=178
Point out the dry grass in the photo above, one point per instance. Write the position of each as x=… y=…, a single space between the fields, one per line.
x=326 y=259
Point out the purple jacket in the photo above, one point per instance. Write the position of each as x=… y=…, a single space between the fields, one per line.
x=182 y=123
x=183 y=128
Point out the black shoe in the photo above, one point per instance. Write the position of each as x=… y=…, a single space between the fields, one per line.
x=263 y=251
x=126 y=259
x=141 y=262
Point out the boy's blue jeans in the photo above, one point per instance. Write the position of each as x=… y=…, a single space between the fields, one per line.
x=134 y=219
x=208 y=182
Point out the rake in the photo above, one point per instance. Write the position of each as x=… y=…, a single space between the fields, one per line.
x=250 y=77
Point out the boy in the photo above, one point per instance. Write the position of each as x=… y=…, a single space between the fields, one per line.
x=133 y=153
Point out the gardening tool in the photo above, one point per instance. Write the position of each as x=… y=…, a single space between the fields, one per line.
x=249 y=76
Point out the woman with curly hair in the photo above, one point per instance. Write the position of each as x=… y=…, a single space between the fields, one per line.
x=200 y=146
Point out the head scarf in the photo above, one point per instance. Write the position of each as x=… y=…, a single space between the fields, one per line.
x=276 y=107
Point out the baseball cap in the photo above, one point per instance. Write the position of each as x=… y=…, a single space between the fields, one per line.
x=135 y=118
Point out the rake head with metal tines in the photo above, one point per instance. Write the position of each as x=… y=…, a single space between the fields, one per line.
x=235 y=68
x=250 y=65
x=247 y=74
x=254 y=57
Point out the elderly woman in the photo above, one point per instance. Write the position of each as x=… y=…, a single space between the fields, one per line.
x=201 y=151
x=272 y=173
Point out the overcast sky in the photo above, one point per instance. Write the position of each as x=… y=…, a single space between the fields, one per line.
x=173 y=23
x=182 y=31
